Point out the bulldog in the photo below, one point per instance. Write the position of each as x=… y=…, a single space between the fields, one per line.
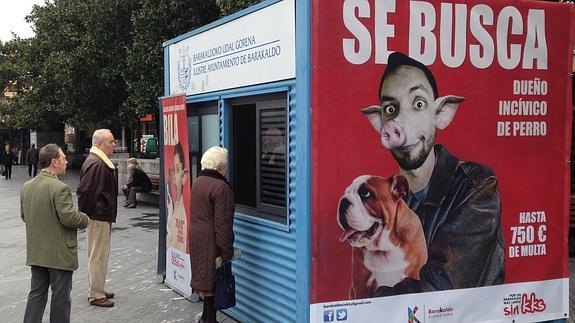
x=386 y=236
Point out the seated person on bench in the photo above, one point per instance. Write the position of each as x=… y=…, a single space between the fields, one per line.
x=138 y=182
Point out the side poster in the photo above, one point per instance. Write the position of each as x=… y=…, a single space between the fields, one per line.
x=441 y=134
x=176 y=174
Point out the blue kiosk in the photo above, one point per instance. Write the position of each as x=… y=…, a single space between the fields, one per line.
x=282 y=85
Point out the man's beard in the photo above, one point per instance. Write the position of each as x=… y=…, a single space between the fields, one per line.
x=408 y=161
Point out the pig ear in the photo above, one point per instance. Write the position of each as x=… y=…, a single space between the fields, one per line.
x=399 y=186
x=373 y=114
x=446 y=107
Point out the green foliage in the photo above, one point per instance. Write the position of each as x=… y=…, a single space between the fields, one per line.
x=17 y=69
x=228 y=7
x=81 y=47
x=155 y=22
x=72 y=70
x=97 y=61
x=11 y=54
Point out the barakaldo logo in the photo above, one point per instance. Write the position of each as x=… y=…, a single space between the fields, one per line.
x=411 y=312
x=446 y=309
x=529 y=304
x=439 y=313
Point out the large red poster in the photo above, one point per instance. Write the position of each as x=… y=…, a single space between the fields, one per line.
x=441 y=134
x=176 y=174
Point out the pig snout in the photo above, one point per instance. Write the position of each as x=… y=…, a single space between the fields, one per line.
x=392 y=135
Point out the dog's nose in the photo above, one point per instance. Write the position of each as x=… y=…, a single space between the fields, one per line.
x=343 y=206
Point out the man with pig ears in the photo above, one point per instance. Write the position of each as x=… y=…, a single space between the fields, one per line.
x=457 y=201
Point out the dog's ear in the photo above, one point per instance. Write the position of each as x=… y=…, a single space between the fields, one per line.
x=399 y=186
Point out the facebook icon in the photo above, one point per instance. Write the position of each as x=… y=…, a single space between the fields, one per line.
x=328 y=316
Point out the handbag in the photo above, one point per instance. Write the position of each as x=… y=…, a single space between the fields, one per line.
x=225 y=293
x=2 y=170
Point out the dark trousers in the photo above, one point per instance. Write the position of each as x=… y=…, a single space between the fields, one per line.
x=60 y=282
x=32 y=166
x=209 y=311
x=8 y=171
x=130 y=193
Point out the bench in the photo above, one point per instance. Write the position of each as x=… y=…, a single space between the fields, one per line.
x=151 y=197
x=155 y=179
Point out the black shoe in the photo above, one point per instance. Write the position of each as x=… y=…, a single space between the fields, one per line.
x=102 y=302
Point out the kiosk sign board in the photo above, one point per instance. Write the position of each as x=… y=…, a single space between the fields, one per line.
x=441 y=141
x=176 y=173
x=259 y=47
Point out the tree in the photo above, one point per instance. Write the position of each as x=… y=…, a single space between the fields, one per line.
x=97 y=61
x=17 y=69
x=155 y=22
x=81 y=49
x=228 y=7
x=73 y=66
x=10 y=57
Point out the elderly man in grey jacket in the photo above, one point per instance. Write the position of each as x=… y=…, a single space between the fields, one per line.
x=51 y=243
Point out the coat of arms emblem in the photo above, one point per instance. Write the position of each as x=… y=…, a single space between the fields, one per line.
x=184 y=68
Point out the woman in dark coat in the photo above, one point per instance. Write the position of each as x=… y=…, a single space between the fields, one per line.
x=139 y=182
x=7 y=158
x=211 y=226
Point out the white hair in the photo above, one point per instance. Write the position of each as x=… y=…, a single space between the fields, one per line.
x=98 y=136
x=215 y=158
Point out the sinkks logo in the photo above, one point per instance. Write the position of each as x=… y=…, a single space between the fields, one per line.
x=328 y=316
x=341 y=314
x=411 y=318
x=523 y=303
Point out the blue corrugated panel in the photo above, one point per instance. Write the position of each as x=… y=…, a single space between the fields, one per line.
x=265 y=274
x=266 y=288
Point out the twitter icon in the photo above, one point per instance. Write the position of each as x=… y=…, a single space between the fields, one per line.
x=341 y=314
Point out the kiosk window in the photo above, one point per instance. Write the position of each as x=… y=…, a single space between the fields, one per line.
x=259 y=159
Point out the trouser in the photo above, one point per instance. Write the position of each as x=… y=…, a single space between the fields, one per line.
x=209 y=311
x=8 y=171
x=132 y=193
x=32 y=166
x=98 y=236
x=60 y=282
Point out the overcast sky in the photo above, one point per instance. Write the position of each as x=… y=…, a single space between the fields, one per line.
x=12 y=18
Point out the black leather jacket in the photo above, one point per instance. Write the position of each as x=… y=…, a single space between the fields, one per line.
x=460 y=213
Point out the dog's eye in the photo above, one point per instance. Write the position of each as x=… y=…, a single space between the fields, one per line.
x=364 y=193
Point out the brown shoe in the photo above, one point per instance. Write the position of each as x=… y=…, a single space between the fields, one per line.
x=102 y=302
x=110 y=295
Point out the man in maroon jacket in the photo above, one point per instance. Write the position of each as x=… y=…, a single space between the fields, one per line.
x=98 y=197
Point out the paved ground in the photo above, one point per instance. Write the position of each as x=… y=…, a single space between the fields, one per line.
x=140 y=294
